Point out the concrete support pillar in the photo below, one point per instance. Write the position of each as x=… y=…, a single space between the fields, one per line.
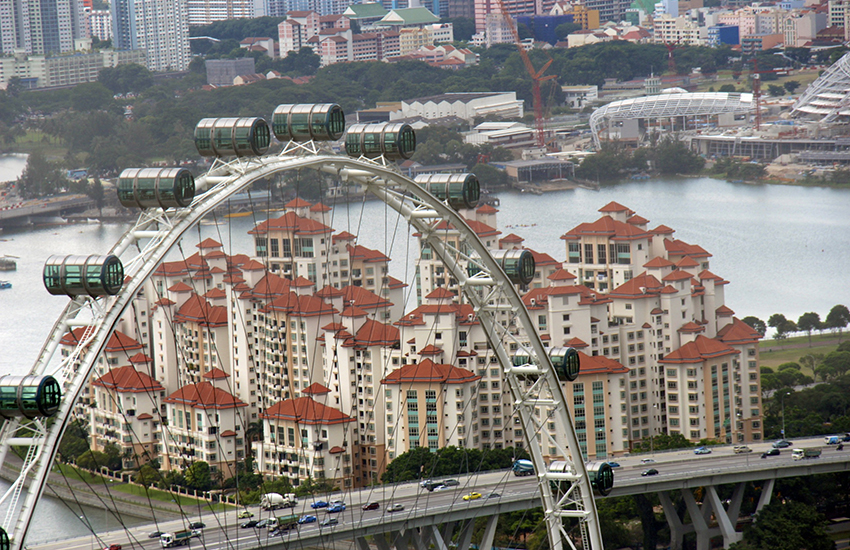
x=420 y=538
x=677 y=530
x=489 y=532
x=766 y=495
x=437 y=538
x=448 y=531
x=726 y=524
x=381 y=541
x=465 y=539
x=698 y=519
x=362 y=543
x=401 y=539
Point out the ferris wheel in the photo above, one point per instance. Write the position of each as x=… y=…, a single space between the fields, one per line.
x=38 y=408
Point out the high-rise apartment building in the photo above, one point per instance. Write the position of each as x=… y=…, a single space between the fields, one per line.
x=204 y=12
x=41 y=27
x=159 y=27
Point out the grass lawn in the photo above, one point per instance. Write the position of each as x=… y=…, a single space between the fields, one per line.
x=804 y=77
x=773 y=353
x=35 y=140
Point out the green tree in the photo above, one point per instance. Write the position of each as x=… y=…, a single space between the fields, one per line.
x=113 y=456
x=662 y=442
x=463 y=27
x=40 y=177
x=90 y=96
x=728 y=88
x=838 y=362
x=808 y=322
x=791 y=85
x=198 y=476
x=757 y=324
x=774 y=90
x=565 y=29
x=92 y=460
x=787 y=526
x=837 y=318
x=74 y=441
x=147 y=475
x=523 y=31
x=127 y=78
x=673 y=157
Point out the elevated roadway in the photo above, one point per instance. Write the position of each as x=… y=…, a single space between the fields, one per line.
x=27 y=212
x=442 y=516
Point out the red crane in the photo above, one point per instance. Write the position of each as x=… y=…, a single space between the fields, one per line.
x=536 y=76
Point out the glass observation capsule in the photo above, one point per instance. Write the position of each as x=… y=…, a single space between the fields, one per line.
x=392 y=140
x=566 y=363
x=4 y=540
x=229 y=137
x=156 y=187
x=518 y=265
x=601 y=477
x=459 y=190
x=309 y=121
x=83 y=275
x=29 y=396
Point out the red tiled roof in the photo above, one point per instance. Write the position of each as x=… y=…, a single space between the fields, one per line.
x=724 y=311
x=606 y=226
x=170 y=269
x=440 y=294
x=336 y=450
x=662 y=230
x=561 y=275
x=637 y=287
x=374 y=333
x=430 y=349
x=676 y=247
x=291 y=222
x=738 y=333
x=358 y=252
x=215 y=373
x=701 y=349
x=208 y=243
x=428 y=371
x=204 y=395
x=198 y=310
x=140 y=358
x=637 y=220
x=304 y=410
x=364 y=298
x=486 y=209
x=316 y=389
x=298 y=203
x=691 y=328
x=319 y=207
x=577 y=343
x=179 y=286
x=511 y=238
x=227 y=433
x=128 y=380
x=329 y=292
x=270 y=286
x=615 y=207
x=145 y=416
x=686 y=262
x=677 y=275
x=214 y=294
x=658 y=261
x=343 y=236
x=599 y=364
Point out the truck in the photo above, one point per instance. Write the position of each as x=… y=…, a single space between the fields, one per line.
x=799 y=454
x=523 y=467
x=285 y=523
x=273 y=501
x=832 y=439
x=178 y=538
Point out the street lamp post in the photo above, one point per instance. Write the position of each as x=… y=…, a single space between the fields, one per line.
x=782 y=400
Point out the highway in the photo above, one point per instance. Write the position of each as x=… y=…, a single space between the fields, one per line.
x=678 y=469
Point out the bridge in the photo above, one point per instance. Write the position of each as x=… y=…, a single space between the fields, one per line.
x=443 y=520
x=33 y=211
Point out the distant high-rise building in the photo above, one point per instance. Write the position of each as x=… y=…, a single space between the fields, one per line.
x=204 y=12
x=40 y=27
x=160 y=27
x=99 y=23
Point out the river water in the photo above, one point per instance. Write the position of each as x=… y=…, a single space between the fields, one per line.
x=784 y=249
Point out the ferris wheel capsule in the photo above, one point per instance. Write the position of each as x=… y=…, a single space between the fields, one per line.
x=566 y=363
x=391 y=140
x=83 y=275
x=232 y=137
x=308 y=122
x=517 y=264
x=156 y=187
x=459 y=190
x=30 y=397
x=601 y=477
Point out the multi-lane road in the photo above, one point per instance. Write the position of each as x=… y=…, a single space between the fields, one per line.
x=501 y=491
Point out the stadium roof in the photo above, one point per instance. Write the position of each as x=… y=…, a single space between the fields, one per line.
x=669 y=104
x=828 y=97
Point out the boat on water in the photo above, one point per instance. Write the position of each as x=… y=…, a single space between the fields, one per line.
x=8 y=264
x=5 y=284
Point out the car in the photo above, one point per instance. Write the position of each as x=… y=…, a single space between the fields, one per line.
x=770 y=452
x=740 y=449
x=371 y=506
x=650 y=472
x=275 y=532
x=443 y=488
x=702 y=451
x=334 y=508
x=614 y=464
x=782 y=444
x=329 y=521
x=155 y=534
x=337 y=501
x=493 y=495
x=249 y=523
x=112 y=547
x=451 y=483
x=319 y=504
x=472 y=496
x=395 y=508
x=245 y=514
x=307 y=519
x=647 y=460
x=197 y=525
x=262 y=524
x=424 y=483
x=431 y=485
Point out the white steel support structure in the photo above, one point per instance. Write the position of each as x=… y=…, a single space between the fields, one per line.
x=567 y=495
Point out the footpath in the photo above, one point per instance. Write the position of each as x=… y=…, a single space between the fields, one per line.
x=75 y=492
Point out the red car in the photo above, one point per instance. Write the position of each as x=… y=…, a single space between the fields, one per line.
x=113 y=547
x=371 y=506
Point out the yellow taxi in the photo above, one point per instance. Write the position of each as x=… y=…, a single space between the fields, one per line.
x=472 y=496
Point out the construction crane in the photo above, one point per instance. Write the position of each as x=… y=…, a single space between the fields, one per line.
x=536 y=76
x=756 y=75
